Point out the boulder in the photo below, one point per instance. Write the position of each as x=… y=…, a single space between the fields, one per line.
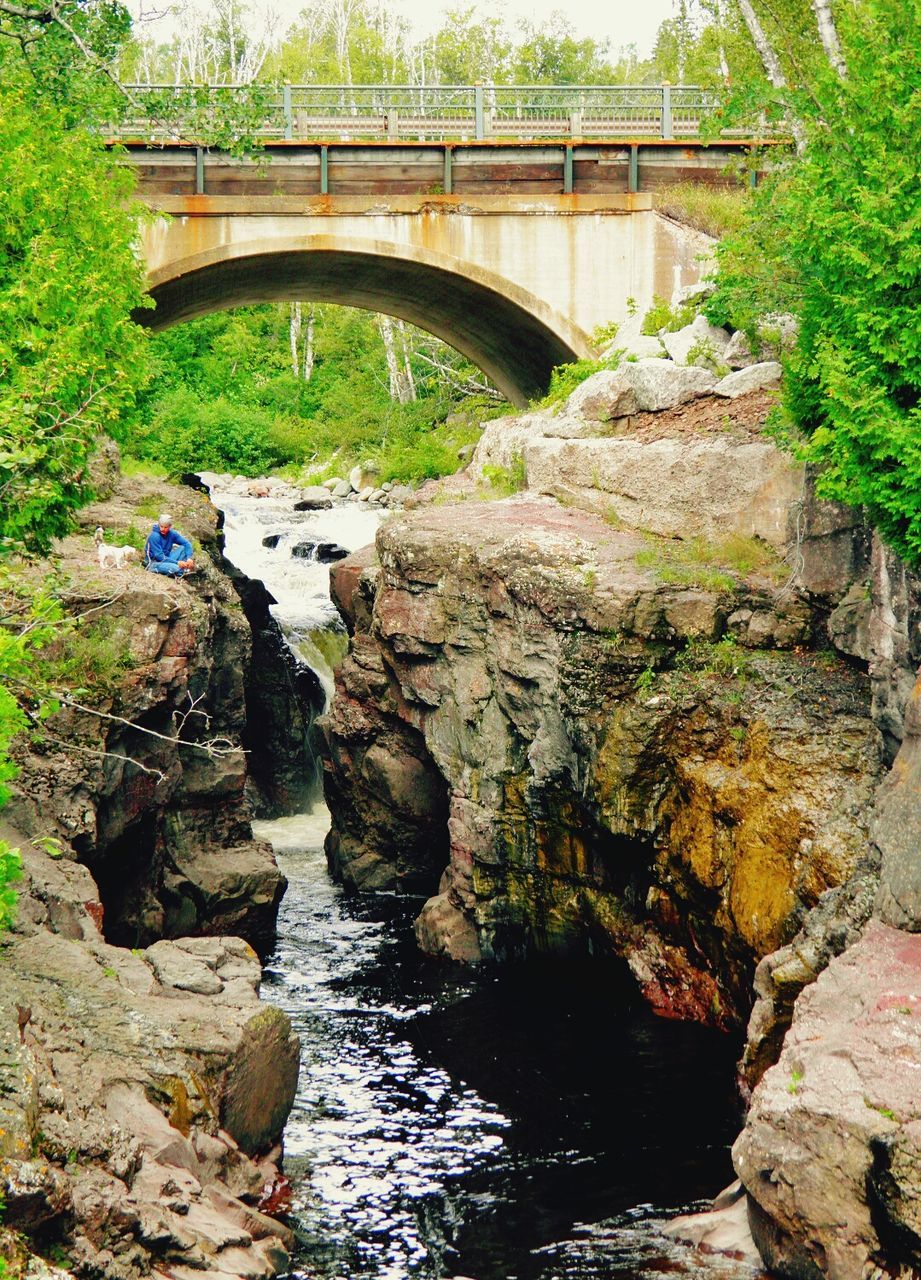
x=314 y=498
x=364 y=495
x=660 y=384
x=361 y=476
x=377 y=494
x=738 y=353
x=831 y=1151
x=332 y=483
x=271 y=540
x=721 y=1229
x=632 y=342
x=755 y=377
x=400 y=492
x=258 y=489
x=699 y=333
x=605 y=395
x=324 y=552
x=342 y=489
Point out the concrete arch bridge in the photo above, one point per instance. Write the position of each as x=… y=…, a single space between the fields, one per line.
x=512 y=253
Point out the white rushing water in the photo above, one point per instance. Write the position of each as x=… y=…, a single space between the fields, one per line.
x=299 y=584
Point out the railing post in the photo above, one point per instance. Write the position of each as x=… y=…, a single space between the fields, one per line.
x=199 y=171
x=575 y=124
x=567 y=170
x=480 y=129
x=667 y=110
x=324 y=170
x=449 y=179
x=393 y=125
x=286 y=107
x=633 y=179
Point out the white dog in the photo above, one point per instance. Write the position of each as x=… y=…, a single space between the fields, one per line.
x=113 y=557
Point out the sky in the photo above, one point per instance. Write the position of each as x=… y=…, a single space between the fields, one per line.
x=623 y=22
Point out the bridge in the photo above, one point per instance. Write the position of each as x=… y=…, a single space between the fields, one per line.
x=507 y=235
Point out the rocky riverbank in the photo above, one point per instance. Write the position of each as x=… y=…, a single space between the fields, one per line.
x=643 y=707
x=144 y=1090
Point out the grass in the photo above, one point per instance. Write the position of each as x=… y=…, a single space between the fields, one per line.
x=713 y=210
x=131 y=466
x=504 y=481
x=662 y=315
x=698 y=562
x=92 y=654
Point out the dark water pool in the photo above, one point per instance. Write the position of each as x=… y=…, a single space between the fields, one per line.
x=525 y=1125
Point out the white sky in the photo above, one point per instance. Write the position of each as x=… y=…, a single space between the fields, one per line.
x=623 y=22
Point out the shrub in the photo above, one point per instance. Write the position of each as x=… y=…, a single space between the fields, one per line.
x=662 y=315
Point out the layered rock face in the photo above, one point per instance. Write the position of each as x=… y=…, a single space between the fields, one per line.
x=142 y=1093
x=142 y=774
x=831 y=1152
x=632 y=757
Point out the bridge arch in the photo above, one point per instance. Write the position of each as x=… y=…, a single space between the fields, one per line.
x=509 y=333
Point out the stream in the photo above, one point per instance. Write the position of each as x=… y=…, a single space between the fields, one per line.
x=534 y=1123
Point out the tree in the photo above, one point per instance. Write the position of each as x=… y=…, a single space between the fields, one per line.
x=834 y=235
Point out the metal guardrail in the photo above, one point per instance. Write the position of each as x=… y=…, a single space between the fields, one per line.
x=423 y=113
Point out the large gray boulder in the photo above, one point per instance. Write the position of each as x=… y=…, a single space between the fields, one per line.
x=756 y=377
x=660 y=384
x=604 y=396
x=314 y=498
x=699 y=333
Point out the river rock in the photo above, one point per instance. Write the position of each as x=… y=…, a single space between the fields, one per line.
x=497 y=650
x=753 y=378
x=362 y=476
x=324 y=552
x=831 y=1151
x=738 y=353
x=314 y=498
x=701 y=334
x=723 y=1228
x=342 y=489
x=660 y=384
x=331 y=484
x=271 y=540
x=605 y=395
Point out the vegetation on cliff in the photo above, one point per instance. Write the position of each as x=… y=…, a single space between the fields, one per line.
x=833 y=236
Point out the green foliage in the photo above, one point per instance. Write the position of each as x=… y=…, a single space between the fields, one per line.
x=662 y=315
x=834 y=235
x=29 y=621
x=71 y=358
x=722 y=658
x=566 y=377
x=224 y=397
x=504 y=481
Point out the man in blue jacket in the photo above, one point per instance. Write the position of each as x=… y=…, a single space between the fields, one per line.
x=168 y=551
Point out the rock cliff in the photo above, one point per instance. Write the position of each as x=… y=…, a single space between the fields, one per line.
x=590 y=735
x=143 y=1091
x=141 y=775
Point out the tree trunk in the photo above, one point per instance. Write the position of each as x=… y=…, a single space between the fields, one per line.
x=769 y=59
x=399 y=390
x=406 y=344
x=828 y=34
x=307 y=363
x=771 y=64
x=294 y=336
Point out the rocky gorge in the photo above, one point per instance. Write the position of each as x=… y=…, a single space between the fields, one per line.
x=645 y=707
x=624 y=694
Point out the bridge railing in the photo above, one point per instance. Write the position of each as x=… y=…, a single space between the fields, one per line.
x=426 y=113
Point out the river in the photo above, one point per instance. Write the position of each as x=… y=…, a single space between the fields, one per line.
x=531 y=1124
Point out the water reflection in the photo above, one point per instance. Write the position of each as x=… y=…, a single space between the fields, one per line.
x=449 y=1123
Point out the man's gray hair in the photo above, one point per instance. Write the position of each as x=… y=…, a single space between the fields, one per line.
x=165 y=518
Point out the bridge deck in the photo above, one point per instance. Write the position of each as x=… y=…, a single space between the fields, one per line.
x=295 y=169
